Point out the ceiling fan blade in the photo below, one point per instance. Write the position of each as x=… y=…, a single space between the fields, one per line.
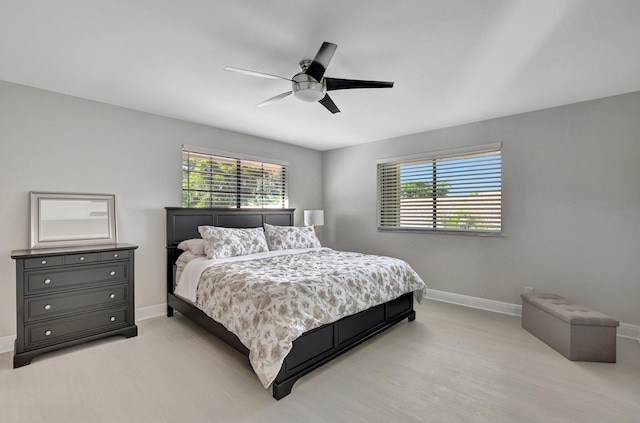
x=329 y=104
x=254 y=73
x=274 y=99
x=320 y=63
x=346 y=84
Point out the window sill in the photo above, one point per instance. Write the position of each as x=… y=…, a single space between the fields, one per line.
x=492 y=234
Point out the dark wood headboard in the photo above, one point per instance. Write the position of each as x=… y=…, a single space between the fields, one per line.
x=182 y=223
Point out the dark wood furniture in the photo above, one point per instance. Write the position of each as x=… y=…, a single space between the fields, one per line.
x=67 y=296
x=315 y=347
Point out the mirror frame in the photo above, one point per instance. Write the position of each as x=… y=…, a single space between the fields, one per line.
x=37 y=241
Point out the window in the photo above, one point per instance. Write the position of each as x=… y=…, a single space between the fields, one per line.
x=450 y=191
x=218 y=179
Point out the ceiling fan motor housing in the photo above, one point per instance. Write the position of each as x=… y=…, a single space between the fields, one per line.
x=306 y=88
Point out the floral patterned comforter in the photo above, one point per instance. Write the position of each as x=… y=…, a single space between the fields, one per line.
x=269 y=302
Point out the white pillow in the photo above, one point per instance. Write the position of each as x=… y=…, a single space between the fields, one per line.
x=231 y=242
x=195 y=246
x=290 y=237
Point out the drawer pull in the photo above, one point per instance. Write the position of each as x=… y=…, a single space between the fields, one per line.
x=47 y=333
x=47 y=281
x=115 y=255
x=44 y=262
x=113 y=318
x=112 y=273
x=112 y=296
x=47 y=307
x=81 y=258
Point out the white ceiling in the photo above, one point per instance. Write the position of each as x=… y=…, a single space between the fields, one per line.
x=452 y=61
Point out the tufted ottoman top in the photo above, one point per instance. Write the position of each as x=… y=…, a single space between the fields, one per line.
x=570 y=313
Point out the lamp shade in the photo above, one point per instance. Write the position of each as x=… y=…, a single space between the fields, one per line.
x=314 y=217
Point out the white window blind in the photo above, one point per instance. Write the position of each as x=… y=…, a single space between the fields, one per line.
x=453 y=191
x=213 y=180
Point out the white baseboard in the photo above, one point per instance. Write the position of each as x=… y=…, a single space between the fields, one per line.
x=475 y=302
x=625 y=330
x=6 y=343
x=629 y=331
x=150 y=312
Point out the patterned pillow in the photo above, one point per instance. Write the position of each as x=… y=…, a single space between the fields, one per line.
x=231 y=242
x=290 y=237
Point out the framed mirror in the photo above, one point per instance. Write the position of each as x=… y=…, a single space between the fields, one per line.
x=66 y=220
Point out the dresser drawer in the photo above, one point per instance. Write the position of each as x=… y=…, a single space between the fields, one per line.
x=114 y=255
x=61 y=330
x=50 y=281
x=80 y=258
x=56 y=305
x=34 y=263
x=44 y=262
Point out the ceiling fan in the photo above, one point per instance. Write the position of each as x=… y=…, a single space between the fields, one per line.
x=310 y=85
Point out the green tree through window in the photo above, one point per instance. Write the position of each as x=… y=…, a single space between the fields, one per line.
x=217 y=181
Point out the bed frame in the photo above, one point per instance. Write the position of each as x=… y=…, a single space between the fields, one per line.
x=315 y=347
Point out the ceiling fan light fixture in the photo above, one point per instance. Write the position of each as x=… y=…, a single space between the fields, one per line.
x=307 y=89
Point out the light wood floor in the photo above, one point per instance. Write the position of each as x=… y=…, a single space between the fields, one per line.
x=453 y=364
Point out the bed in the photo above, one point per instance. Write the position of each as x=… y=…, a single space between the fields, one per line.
x=314 y=347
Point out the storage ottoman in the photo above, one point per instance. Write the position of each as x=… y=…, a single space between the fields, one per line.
x=578 y=333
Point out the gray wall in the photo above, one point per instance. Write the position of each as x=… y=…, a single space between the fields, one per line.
x=571 y=194
x=53 y=142
x=571 y=201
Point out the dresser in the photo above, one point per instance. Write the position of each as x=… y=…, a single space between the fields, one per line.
x=67 y=296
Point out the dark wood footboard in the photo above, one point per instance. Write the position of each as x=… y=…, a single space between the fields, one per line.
x=319 y=346
x=316 y=347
